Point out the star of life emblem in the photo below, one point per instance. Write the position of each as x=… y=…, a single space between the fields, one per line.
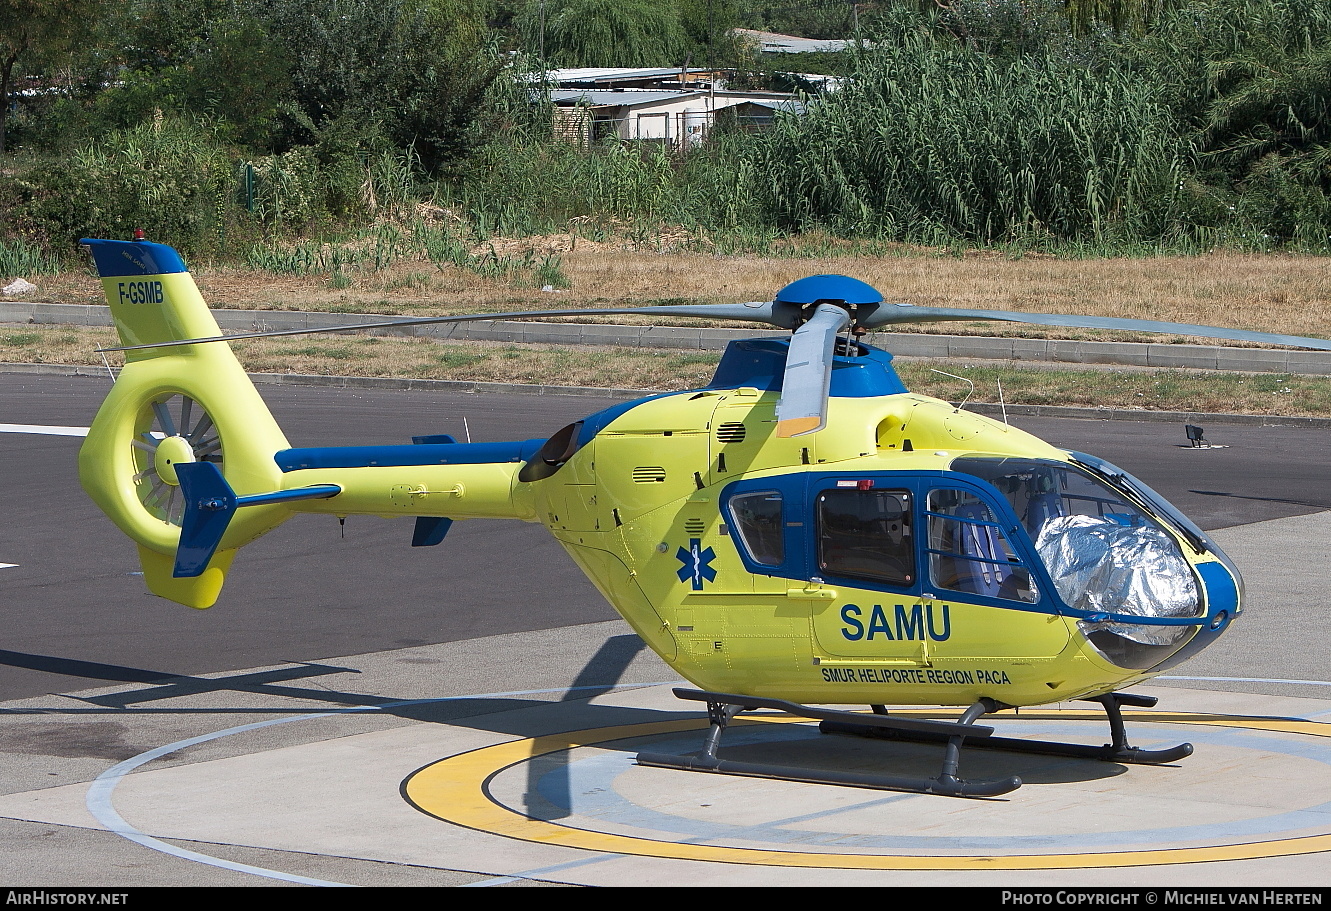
x=697 y=569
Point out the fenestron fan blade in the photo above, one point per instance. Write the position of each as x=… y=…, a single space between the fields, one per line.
x=775 y=313
x=893 y=314
x=808 y=377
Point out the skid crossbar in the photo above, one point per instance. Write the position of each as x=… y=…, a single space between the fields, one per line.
x=722 y=707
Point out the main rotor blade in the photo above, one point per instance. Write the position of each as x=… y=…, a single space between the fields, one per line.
x=777 y=314
x=808 y=378
x=892 y=314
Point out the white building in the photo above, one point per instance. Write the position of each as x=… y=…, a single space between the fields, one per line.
x=676 y=107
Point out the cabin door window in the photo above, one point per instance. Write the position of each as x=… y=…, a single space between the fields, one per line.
x=866 y=534
x=968 y=550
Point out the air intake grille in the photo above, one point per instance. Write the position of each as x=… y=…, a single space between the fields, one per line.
x=694 y=526
x=730 y=432
x=648 y=474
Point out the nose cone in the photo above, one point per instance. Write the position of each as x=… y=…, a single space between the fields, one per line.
x=1221 y=591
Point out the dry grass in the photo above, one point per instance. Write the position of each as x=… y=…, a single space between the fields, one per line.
x=632 y=368
x=1287 y=294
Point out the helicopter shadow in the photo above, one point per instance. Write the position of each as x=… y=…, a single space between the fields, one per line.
x=102 y=730
x=548 y=792
x=804 y=747
x=807 y=752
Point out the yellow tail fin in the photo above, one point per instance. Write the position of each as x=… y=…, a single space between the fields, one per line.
x=170 y=405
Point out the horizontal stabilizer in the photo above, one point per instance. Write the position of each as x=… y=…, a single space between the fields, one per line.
x=209 y=505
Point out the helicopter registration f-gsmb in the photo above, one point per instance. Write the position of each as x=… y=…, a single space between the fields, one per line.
x=804 y=531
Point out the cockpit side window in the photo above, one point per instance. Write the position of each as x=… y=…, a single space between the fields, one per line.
x=968 y=551
x=759 y=526
x=866 y=534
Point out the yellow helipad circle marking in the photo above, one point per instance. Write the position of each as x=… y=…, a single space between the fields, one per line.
x=453 y=790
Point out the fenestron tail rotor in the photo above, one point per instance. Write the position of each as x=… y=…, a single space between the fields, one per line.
x=173 y=429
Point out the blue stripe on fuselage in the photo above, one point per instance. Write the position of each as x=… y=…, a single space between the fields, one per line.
x=394 y=456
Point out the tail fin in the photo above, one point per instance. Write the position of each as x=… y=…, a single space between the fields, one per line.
x=174 y=405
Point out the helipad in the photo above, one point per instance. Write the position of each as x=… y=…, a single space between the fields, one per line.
x=549 y=791
x=590 y=795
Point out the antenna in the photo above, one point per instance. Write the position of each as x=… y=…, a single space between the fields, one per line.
x=1001 y=403
x=466 y=427
x=964 y=380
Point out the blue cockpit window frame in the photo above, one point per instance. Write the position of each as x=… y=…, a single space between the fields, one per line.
x=988 y=531
x=799 y=490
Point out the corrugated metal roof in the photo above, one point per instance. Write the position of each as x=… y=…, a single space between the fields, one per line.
x=611 y=73
x=773 y=43
x=603 y=97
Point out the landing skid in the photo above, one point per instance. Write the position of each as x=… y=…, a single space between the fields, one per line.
x=1117 y=750
x=722 y=707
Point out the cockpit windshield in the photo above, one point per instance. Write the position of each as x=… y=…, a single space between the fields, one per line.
x=1103 y=552
x=1040 y=490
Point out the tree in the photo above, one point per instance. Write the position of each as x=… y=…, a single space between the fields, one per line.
x=707 y=24
x=343 y=75
x=1132 y=16
x=606 y=32
x=413 y=69
x=1249 y=83
x=31 y=30
x=200 y=58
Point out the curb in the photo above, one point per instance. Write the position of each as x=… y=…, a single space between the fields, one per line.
x=466 y=387
x=901 y=344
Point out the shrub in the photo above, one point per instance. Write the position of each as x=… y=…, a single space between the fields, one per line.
x=931 y=142
x=168 y=177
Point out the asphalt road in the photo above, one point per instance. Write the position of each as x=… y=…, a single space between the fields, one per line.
x=308 y=590
x=77 y=616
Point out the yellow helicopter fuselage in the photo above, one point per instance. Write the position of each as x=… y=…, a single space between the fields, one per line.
x=641 y=508
x=889 y=557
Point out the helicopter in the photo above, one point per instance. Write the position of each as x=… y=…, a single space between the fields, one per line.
x=802 y=532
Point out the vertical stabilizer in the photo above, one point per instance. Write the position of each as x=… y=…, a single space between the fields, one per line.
x=174 y=405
